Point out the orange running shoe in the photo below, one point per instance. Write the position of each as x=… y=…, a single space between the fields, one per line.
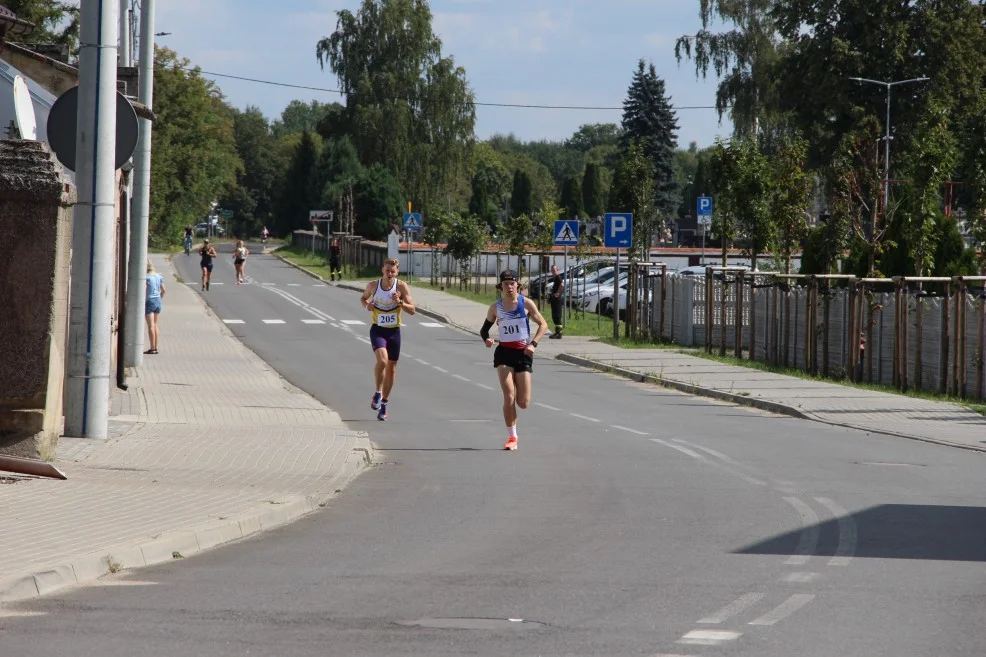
x=511 y=443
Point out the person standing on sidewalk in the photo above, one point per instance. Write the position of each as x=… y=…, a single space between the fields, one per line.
x=514 y=356
x=208 y=252
x=555 y=298
x=386 y=298
x=334 y=268
x=154 y=293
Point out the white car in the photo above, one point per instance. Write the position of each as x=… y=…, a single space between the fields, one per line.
x=592 y=300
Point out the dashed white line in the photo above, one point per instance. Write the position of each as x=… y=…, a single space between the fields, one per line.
x=683 y=450
x=485 y=387
x=461 y=378
x=628 y=429
x=294 y=284
x=353 y=322
x=809 y=533
x=584 y=417
x=422 y=361
x=733 y=608
x=233 y=321
x=313 y=321
x=550 y=408
x=847 y=533
x=785 y=609
x=431 y=325
x=273 y=321
x=800 y=578
x=440 y=369
x=709 y=637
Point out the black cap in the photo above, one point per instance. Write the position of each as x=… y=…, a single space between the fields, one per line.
x=508 y=275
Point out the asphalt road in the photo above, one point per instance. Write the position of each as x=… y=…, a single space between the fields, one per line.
x=631 y=521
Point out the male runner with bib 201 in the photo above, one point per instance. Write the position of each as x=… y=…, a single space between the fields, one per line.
x=514 y=356
x=386 y=298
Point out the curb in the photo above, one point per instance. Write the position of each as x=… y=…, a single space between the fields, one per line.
x=178 y=543
x=742 y=400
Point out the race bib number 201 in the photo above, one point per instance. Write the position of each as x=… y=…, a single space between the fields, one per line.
x=387 y=319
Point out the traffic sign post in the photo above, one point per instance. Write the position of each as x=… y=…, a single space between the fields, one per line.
x=412 y=223
x=566 y=234
x=704 y=216
x=618 y=233
x=321 y=217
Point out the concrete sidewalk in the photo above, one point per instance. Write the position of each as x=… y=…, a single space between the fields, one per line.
x=207 y=446
x=810 y=399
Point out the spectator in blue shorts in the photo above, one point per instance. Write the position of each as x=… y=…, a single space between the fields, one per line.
x=154 y=292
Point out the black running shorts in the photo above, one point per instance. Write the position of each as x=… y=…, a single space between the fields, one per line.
x=515 y=358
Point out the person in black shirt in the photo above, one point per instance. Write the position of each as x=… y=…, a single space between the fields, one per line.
x=555 y=298
x=188 y=240
x=208 y=252
x=335 y=270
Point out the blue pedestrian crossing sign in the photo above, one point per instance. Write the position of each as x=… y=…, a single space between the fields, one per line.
x=412 y=221
x=618 y=230
x=567 y=232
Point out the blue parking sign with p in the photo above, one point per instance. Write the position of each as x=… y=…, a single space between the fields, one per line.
x=618 y=230
x=705 y=206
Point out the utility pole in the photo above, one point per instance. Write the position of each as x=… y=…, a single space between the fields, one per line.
x=91 y=304
x=141 y=207
x=887 y=137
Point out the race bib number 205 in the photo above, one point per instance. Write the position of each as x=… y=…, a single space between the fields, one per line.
x=387 y=319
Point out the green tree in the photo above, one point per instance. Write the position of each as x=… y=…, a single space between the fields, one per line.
x=742 y=58
x=436 y=232
x=194 y=161
x=724 y=174
x=753 y=192
x=517 y=234
x=634 y=191
x=466 y=238
x=407 y=106
x=650 y=121
x=593 y=194
x=252 y=199
x=522 y=197
x=571 y=198
x=593 y=135
x=789 y=204
x=300 y=116
x=54 y=22
x=297 y=197
x=490 y=184
x=378 y=202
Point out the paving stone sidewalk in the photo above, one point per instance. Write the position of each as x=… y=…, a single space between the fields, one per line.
x=208 y=445
x=810 y=399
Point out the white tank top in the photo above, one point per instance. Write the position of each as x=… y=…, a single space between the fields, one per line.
x=386 y=312
x=515 y=329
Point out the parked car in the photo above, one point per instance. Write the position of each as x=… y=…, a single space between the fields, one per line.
x=203 y=229
x=591 y=300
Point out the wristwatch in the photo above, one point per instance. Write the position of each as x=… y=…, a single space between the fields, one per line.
x=534 y=343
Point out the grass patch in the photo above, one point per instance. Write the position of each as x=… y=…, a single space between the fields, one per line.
x=319 y=264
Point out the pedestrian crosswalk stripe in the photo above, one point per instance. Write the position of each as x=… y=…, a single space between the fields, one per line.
x=313 y=321
x=432 y=325
x=353 y=321
x=273 y=321
x=233 y=321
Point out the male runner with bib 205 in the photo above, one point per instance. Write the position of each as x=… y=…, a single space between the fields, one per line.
x=514 y=356
x=386 y=298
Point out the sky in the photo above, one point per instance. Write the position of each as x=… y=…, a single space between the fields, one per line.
x=529 y=52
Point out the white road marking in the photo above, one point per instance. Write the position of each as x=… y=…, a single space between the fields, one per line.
x=639 y=433
x=800 y=578
x=709 y=637
x=461 y=378
x=211 y=283
x=233 y=321
x=584 y=417
x=268 y=284
x=550 y=408
x=847 y=533
x=422 y=361
x=294 y=284
x=353 y=322
x=273 y=321
x=313 y=321
x=785 y=609
x=733 y=608
x=11 y=613
x=432 y=325
x=683 y=450
x=440 y=369
x=809 y=533
x=485 y=387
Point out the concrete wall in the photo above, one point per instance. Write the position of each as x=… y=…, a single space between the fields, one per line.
x=36 y=224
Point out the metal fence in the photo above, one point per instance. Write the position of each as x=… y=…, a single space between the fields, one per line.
x=908 y=332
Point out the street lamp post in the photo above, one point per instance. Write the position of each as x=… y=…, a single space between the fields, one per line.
x=886 y=144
